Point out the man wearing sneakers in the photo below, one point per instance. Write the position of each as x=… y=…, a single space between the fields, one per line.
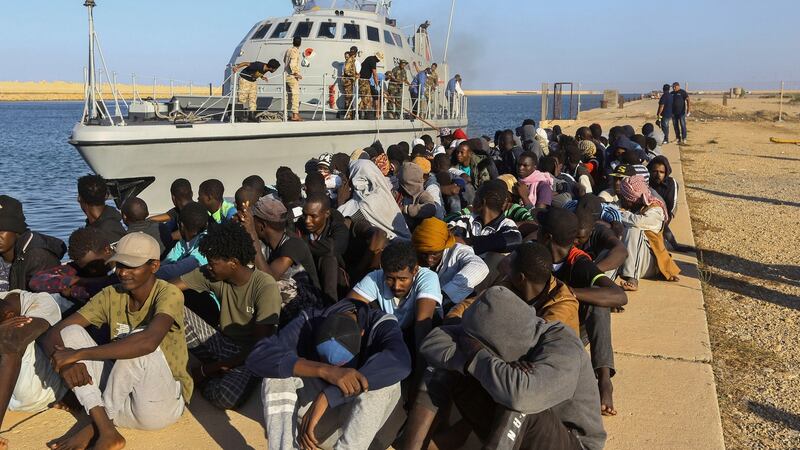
x=680 y=109
x=665 y=112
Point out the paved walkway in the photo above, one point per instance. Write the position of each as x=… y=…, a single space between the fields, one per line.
x=664 y=388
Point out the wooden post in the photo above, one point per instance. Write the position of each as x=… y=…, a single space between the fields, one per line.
x=780 y=105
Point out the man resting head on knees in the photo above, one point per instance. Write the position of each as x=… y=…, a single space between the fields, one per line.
x=339 y=369
x=489 y=363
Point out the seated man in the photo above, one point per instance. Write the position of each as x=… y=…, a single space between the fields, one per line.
x=597 y=294
x=181 y=194
x=487 y=230
x=147 y=385
x=520 y=382
x=250 y=305
x=644 y=216
x=460 y=271
x=210 y=194
x=282 y=255
x=339 y=369
x=185 y=256
x=92 y=194
x=85 y=275
x=410 y=292
x=327 y=236
x=27 y=380
x=134 y=216
x=23 y=252
x=414 y=201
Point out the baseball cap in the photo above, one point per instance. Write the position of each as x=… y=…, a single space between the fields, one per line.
x=324 y=160
x=338 y=339
x=624 y=170
x=135 y=249
x=460 y=134
x=270 y=209
x=444 y=132
x=11 y=216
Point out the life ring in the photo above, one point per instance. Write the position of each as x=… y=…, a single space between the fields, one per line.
x=332 y=95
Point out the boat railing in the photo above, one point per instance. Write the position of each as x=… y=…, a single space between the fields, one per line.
x=322 y=98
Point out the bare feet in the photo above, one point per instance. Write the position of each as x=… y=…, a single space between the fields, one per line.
x=606 y=396
x=78 y=441
x=618 y=309
x=296 y=118
x=3 y=443
x=110 y=441
x=674 y=279
x=629 y=284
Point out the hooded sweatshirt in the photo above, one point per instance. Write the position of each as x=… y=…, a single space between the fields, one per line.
x=529 y=141
x=668 y=190
x=33 y=252
x=383 y=359
x=509 y=330
x=416 y=204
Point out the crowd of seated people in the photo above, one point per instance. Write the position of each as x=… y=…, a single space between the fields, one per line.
x=361 y=300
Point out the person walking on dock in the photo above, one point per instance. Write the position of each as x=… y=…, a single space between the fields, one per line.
x=249 y=74
x=665 y=113
x=292 y=62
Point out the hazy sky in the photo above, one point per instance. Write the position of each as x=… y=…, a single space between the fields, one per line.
x=496 y=44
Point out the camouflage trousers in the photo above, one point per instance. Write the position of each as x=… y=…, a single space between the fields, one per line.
x=248 y=94
x=293 y=97
x=365 y=95
x=347 y=86
x=394 y=107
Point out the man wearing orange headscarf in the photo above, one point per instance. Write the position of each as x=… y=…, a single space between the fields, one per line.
x=459 y=269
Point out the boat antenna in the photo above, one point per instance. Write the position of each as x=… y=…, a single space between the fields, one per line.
x=90 y=4
x=449 y=27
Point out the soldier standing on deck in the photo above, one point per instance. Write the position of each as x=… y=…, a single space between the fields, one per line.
x=432 y=83
x=292 y=62
x=248 y=80
x=349 y=77
x=397 y=78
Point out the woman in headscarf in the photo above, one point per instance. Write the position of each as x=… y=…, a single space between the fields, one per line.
x=372 y=201
x=644 y=216
x=459 y=269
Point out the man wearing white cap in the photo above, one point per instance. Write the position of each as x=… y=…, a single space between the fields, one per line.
x=147 y=384
x=369 y=71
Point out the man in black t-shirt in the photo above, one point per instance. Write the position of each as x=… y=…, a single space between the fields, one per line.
x=284 y=256
x=367 y=93
x=680 y=109
x=249 y=74
x=558 y=230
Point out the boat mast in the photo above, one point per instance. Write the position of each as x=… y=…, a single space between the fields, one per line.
x=449 y=27
x=89 y=4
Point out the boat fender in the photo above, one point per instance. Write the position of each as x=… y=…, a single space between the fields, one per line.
x=332 y=95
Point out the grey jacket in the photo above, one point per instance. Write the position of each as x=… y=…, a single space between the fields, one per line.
x=563 y=378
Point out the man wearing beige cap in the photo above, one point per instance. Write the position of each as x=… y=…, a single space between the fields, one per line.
x=148 y=384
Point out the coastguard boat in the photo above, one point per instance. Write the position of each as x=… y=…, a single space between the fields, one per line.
x=141 y=145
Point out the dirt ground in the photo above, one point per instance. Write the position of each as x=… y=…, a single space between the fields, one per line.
x=744 y=197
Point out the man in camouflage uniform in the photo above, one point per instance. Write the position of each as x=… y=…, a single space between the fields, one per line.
x=249 y=74
x=292 y=62
x=397 y=78
x=431 y=84
x=349 y=77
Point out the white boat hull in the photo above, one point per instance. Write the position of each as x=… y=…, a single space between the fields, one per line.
x=228 y=152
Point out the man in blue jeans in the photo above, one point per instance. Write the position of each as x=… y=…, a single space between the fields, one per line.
x=680 y=109
x=665 y=112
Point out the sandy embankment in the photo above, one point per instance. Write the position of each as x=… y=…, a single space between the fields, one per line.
x=64 y=90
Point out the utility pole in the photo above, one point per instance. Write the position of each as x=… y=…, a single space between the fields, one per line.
x=89 y=4
x=780 y=105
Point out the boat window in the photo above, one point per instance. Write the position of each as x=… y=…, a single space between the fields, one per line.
x=281 y=30
x=262 y=31
x=303 y=29
x=351 y=31
x=398 y=40
x=327 y=30
x=372 y=34
x=387 y=37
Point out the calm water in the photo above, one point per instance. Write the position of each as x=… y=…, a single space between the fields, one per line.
x=39 y=167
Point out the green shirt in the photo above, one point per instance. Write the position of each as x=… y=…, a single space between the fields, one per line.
x=111 y=306
x=257 y=302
